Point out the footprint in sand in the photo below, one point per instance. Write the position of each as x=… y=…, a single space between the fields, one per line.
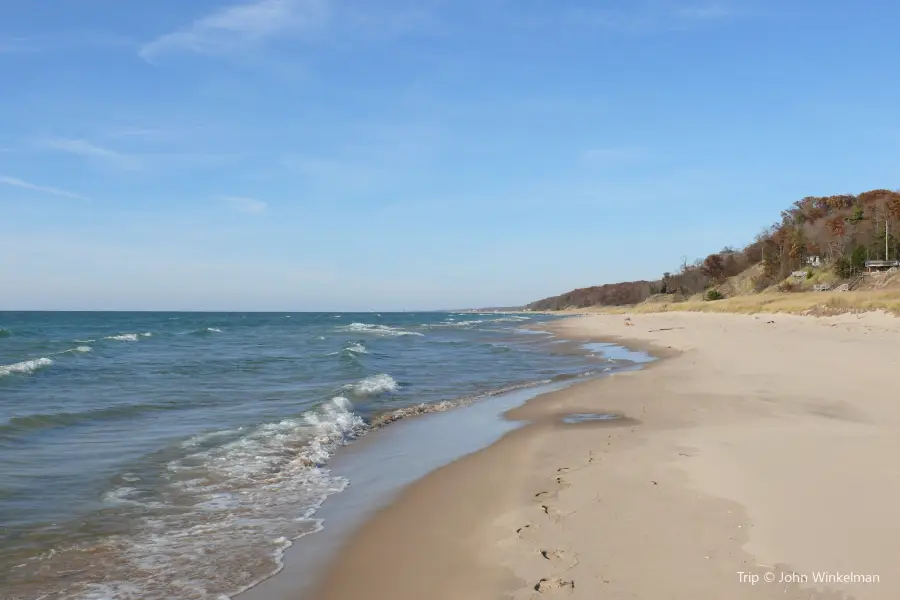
x=562 y=470
x=540 y=496
x=560 y=556
x=563 y=483
x=550 y=585
x=551 y=512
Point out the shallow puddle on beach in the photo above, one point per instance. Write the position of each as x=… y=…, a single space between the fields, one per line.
x=381 y=464
x=614 y=352
x=576 y=418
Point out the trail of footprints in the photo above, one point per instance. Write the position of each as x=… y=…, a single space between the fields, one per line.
x=560 y=560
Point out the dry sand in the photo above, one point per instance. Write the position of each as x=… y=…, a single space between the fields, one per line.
x=760 y=445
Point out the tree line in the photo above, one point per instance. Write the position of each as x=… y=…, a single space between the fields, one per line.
x=844 y=231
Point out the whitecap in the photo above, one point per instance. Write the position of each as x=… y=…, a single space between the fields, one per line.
x=382 y=330
x=77 y=349
x=123 y=337
x=25 y=368
x=253 y=495
x=377 y=384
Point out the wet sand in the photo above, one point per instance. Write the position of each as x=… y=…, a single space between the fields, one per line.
x=761 y=447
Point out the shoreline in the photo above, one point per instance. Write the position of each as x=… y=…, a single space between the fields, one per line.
x=403 y=446
x=728 y=464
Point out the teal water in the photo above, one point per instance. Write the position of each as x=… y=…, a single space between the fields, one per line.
x=176 y=455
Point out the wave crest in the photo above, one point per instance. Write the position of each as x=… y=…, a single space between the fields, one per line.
x=205 y=331
x=25 y=367
x=254 y=494
x=35 y=422
x=128 y=337
x=123 y=337
x=374 y=385
x=382 y=330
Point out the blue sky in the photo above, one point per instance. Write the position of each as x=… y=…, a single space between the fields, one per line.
x=393 y=154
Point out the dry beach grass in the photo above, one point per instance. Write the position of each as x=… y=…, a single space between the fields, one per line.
x=816 y=303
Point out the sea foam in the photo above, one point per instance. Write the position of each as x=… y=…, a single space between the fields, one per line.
x=128 y=337
x=206 y=331
x=377 y=384
x=123 y=337
x=252 y=494
x=382 y=330
x=25 y=368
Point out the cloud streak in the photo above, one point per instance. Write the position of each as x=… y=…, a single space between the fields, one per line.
x=26 y=185
x=92 y=151
x=19 y=45
x=637 y=16
x=239 y=27
x=246 y=205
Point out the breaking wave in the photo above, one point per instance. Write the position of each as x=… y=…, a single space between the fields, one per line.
x=351 y=351
x=251 y=496
x=124 y=337
x=453 y=323
x=206 y=331
x=386 y=418
x=382 y=330
x=128 y=337
x=5 y=333
x=377 y=384
x=25 y=368
x=77 y=349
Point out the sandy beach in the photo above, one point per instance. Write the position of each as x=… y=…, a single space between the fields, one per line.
x=757 y=459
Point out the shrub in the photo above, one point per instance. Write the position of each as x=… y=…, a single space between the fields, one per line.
x=843 y=268
x=714 y=295
x=761 y=282
x=786 y=286
x=858 y=258
x=809 y=273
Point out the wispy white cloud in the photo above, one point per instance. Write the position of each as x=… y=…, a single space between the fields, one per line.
x=89 y=150
x=137 y=132
x=239 y=27
x=26 y=185
x=62 y=41
x=637 y=16
x=246 y=205
x=19 y=45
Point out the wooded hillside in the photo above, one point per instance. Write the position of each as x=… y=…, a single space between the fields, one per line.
x=843 y=231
